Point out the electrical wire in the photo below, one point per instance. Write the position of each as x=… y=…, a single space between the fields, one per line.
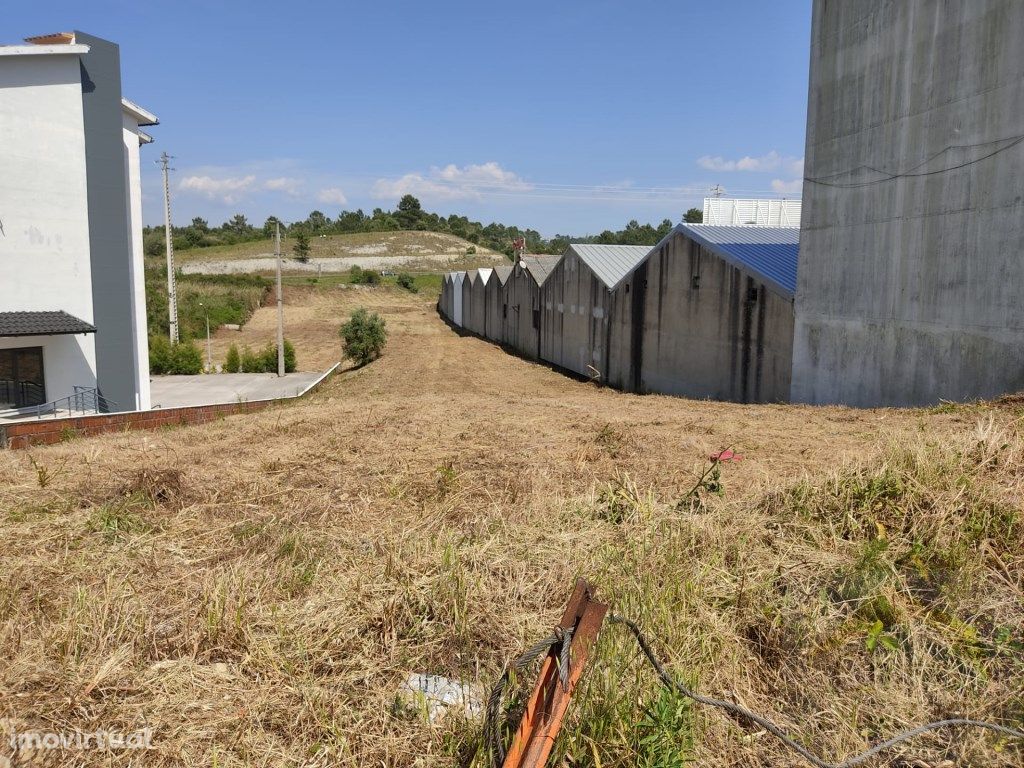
x=910 y=172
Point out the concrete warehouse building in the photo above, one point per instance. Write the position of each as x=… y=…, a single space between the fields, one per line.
x=523 y=303
x=476 y=320
x=576 y=302
x=708 y=314
x=72 y=304
x=913 y=222
x=496 y=308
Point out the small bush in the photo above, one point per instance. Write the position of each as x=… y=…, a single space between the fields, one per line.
x=251 y=362
x=265 y=361
x=364 y=336
x=183 y=358
x=359 y=276
x=186 y=359
x=233 y=361
x=407 y=281
x=471 y=250
x=269 y=358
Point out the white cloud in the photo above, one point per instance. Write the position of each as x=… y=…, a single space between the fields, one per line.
x=228 y=189
x=772 y=161
x=331 y=196
x=787 y=187
x=452 y=183
x=283 y=184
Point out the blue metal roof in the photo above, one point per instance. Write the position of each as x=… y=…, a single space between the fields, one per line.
x=769 y=253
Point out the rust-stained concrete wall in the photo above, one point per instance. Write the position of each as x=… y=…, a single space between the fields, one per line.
x=685 y=322
x=909 y=288
x=495 y=311
x=477 y=309
x=522 y=326
x=574 y=312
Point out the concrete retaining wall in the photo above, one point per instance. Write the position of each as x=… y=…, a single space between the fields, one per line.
x=908 y=288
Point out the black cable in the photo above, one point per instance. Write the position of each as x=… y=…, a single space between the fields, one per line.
x=776 y=731
x=909 y=174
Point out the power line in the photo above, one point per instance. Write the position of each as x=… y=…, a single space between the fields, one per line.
x=910 y=173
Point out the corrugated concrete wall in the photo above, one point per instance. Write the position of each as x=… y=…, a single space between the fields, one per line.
x=574 y=311
x=457 y=283
x=685 y=322
x=909 y=289
x=495 y=310
x=522 y=325
x=478 y=309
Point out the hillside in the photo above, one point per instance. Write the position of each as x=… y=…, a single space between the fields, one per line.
x=257 y=588
x=414 y=251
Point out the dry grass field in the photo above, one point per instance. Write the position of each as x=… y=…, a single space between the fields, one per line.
x=254 y=590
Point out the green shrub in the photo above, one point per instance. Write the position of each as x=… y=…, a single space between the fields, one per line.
x=159 y=355
x=407 y=281
x=265 y=361
x=182 y=358
x=233 y=361
x=359 y=276
x=364 y=336
x=251 y=362
x=290 y=361
x=186 y=359
x=471 y=250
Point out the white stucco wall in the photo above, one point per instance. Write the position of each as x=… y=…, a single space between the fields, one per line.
x=44 y=253
x=66 y=363
x=139 y=331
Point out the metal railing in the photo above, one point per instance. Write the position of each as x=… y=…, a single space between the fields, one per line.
x=82 y=400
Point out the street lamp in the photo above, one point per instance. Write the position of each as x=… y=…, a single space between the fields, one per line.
x=209 y=356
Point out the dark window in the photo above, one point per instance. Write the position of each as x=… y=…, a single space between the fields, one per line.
x=536 y=318
x=695 y=282
x=752 y=294
x=504 y=310
x=21 y=377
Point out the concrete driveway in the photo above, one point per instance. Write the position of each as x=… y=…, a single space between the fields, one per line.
x=213 y=388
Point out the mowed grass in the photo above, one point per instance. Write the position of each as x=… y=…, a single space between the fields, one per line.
x=377 y=244
x=255 y=589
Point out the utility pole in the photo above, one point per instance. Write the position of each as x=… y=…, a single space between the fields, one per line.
x=280 y=300
x=209 y=353
x=717 y=191
x=172 y=287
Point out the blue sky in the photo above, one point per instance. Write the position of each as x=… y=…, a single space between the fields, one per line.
x=568 y=117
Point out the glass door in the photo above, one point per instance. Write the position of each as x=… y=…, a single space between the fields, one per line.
x=21 y=377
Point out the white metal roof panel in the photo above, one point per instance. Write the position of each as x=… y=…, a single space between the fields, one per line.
x=484 y=273
x=610 y=263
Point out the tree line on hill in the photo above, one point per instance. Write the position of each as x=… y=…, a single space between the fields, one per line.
x=408 y=215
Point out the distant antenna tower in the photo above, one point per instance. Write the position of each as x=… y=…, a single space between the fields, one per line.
x=172 y=285
x=717 y=191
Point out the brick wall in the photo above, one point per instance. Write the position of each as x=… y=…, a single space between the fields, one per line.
x=24 y=434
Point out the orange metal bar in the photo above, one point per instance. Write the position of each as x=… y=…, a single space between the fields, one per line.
x=545 y=710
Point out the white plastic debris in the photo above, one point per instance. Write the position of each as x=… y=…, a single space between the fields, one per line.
x=436 y=696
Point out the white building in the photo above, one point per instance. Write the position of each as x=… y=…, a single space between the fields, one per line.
x=733 y=212
x=72 y=300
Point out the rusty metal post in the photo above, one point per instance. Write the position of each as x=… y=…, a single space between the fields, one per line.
x=546 y=707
